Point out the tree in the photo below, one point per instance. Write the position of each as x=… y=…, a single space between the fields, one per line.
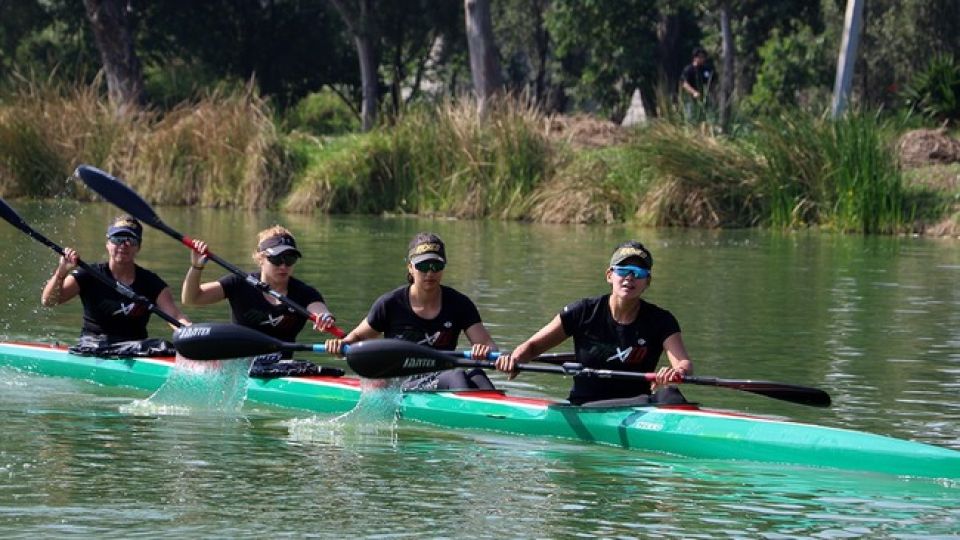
x=358 y=15
x=484 y=62
x=114 y=37
x=726 y=74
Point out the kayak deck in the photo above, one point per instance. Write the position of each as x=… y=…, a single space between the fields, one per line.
x=685 y=430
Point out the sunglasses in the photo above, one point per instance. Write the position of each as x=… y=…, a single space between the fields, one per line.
x=119 y=240
x=635 y=271
x=430 y=266
x=287 y=259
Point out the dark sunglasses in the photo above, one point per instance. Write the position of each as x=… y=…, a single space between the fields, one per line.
x=288 y=259
x=635 y=271
x=432 y=265
x=118 y=240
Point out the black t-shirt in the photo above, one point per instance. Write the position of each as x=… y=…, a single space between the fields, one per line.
x=392 y=315
x=249 y=308
x=697 y=76
x=107 y=312
x=602 y=343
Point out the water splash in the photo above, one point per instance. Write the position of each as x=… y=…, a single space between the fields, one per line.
x=197 y=388
x=375 y=415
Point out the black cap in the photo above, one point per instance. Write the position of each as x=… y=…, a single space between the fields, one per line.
x=632 y=250
x=426 y=246
x=275 y=245
x=125 y=226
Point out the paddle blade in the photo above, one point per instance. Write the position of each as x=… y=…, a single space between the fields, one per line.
x=217 y=341
x=804 y=395
x=9 y=214
x=386 y=358
x=118 y=193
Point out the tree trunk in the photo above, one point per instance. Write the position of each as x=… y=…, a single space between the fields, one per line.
x=726 y=77
x=114 y=39
x=484 y=64
x=848 y=56
x=359 y=20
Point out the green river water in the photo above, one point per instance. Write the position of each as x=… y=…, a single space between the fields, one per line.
x=875 y=321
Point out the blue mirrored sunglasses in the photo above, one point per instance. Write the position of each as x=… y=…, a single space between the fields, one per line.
x=117 y=240
x=635 y=271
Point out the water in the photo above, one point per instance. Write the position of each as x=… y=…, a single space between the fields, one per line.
x=875 y=321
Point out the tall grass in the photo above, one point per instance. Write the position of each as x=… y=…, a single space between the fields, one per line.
x=222 y=150
x=702 y=180
x=433 y=161
x=838 y=174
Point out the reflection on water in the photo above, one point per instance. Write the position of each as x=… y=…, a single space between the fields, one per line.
x=875 y=321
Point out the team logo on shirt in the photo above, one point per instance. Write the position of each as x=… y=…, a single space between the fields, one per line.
x=125 y=309
x=272 y=321
x=630 y=355
x=429 y=339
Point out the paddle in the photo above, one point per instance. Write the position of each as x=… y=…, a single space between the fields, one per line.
x=392 y=358
x=217 y=341
x=122 y=196
x=14 y=219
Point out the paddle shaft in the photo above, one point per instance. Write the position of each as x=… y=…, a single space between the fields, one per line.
x=125 y=198
x=14 y=219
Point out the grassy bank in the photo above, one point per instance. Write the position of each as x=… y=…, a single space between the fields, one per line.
x=790 y=171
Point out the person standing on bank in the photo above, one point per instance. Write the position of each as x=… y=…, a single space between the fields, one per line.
x=114 y=325
x=275 y=255
x=694 y=82
x=617 y=331
x=427 y=313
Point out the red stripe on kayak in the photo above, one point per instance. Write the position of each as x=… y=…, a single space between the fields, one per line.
x=499 y=395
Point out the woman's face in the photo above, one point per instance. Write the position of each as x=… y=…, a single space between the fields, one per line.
x=123 y=249
x=278 y=266
x=628 y=279
x=427 y=273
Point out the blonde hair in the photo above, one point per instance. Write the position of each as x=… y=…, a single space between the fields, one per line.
x=276 y=230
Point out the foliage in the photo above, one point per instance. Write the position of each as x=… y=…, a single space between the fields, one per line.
x=606 y=49
x=935 y=91
x=790 y=66
x=321 y=113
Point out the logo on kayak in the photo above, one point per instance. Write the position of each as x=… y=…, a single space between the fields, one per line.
x=413 y=363
x=188 y=332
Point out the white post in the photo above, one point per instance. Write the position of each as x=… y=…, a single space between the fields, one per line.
x=848 y=56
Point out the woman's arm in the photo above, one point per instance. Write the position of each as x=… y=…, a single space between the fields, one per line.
x=62 y=286
x=545 y=339
x=326 y=320
x=480 y=339
x=166 y=304
x=680 y=363
x=362 y=332
x=194 y=293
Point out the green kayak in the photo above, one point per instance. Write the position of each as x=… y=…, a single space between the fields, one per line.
x=685 y=430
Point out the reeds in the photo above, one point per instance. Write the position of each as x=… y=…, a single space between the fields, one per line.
x=433 y=161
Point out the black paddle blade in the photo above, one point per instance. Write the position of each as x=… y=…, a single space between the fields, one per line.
x=118 y=193
x=804 y=395
x=9 y=214
x=217 y=341
x=386 y=358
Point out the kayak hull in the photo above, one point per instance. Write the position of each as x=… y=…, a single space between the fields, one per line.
x=683 y=430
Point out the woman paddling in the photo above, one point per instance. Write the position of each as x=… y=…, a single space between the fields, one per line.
x=617 y=331
x=113 y=325
x=428 y=313
x=276 y=254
